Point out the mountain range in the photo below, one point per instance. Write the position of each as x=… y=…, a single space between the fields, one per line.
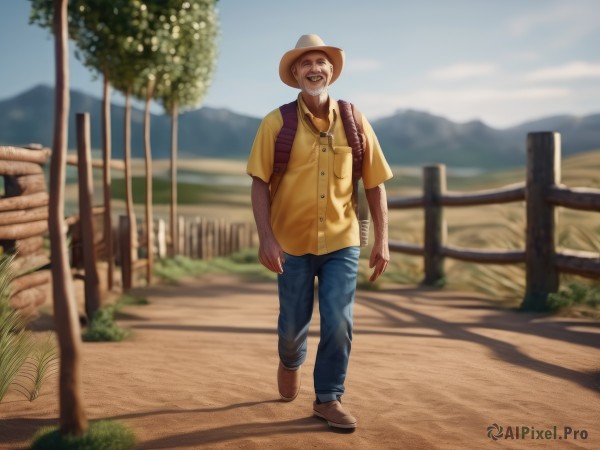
x=408 y=137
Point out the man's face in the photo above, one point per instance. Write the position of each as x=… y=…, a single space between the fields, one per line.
x=313 y=72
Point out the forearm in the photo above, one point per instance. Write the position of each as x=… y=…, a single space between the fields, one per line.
x=270 y=254
x=377 y=200
x=261 y=207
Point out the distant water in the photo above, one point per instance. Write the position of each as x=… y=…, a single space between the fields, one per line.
x=213 y=179
x=458 y=172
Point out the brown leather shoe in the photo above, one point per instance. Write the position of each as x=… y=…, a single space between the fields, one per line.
x=334 y=414
x=288 y=382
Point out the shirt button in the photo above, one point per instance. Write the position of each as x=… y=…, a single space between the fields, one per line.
x=323 y=149
x=320 y=219
x=322 y=173
x=322 y=195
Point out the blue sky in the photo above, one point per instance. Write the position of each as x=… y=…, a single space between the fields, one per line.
x=502 y=62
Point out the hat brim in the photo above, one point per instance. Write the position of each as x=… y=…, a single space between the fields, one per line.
x=334 y=54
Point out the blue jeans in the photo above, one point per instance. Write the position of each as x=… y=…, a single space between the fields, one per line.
x=336 y=273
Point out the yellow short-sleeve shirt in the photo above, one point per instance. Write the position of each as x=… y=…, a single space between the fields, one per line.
x=312 y=211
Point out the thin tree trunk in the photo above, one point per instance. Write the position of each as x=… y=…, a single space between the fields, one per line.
x=72 y=414
x=128 y=177
x=148 y=157
x=106 y=155
x=174 y=237
x=86 y=216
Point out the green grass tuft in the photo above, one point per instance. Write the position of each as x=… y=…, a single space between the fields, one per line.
x=131 y=300
x=102 y=435
x=575 y=294
x=16 y=345
x=244 y=263
x=171 y=270
x=42 y=362
x=103 y=327
x=24 y=362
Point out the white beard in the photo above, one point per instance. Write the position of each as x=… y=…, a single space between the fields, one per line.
x=317 y=92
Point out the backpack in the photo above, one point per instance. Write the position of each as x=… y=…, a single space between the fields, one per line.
x=352 y=122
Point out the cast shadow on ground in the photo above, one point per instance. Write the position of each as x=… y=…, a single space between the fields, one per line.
x=240 y=432
x=309 y=424
x=501 y=320
x=18 y=430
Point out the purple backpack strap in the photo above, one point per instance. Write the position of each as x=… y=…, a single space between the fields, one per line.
x=285 y=138
x=353 y=127
x=283 y=143
x=354 y=134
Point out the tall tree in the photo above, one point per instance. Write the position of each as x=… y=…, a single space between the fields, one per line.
x=72 y=415
x=194 y=55
x=153 y=37
x=99 y=33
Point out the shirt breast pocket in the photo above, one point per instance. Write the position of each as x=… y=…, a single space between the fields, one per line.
x=342 y=161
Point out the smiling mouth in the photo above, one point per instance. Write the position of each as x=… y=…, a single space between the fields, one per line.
x=315 y=78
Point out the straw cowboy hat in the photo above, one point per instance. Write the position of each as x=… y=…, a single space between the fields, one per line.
x=310 y=43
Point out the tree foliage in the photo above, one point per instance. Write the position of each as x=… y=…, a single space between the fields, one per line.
x=172 y=42
x=193 y=53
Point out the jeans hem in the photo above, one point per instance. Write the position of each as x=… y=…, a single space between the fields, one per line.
x=324 y=398
x=293 y=369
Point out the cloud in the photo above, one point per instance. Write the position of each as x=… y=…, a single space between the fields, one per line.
x=363 y=65
x=497 y=106
x=545 y=17
x=570 y=71
x=475 y=95
x=563 y=23
x=462 y=71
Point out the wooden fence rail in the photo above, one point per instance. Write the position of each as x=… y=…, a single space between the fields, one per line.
x=542 y=192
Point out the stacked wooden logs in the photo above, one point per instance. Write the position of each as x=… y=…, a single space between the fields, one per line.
x=23 y=223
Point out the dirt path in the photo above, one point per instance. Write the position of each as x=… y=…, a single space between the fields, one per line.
x=428 y=370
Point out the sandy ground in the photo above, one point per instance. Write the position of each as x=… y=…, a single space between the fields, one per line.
x=429 y=369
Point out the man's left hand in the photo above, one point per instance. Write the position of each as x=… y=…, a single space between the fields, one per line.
x=380 y=256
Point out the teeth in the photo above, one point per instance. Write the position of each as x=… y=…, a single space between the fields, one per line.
x=315 y=78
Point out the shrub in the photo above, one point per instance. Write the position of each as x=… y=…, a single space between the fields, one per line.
x=99 y=436
x=103 y=327
x=575 y=294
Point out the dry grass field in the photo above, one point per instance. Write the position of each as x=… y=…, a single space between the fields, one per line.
x=496 y=227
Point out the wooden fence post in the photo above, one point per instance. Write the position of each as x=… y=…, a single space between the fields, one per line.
x=210 y=239
x=543 y=172
x=234 y=233
x=193 y=237
x=434 y=186
x=223 y=238
x=161 y=238
x=86 y=195
x=180 y=245
x=125 y=243
x=201 y=242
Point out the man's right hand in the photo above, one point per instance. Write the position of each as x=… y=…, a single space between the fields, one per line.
x=270 y=255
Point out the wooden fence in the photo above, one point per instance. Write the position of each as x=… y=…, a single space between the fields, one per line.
x=542 y=192
x=24 y=223
x=198 y=237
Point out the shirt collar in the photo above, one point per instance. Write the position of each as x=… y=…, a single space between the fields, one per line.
x=305 y=111
x=333 y=110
